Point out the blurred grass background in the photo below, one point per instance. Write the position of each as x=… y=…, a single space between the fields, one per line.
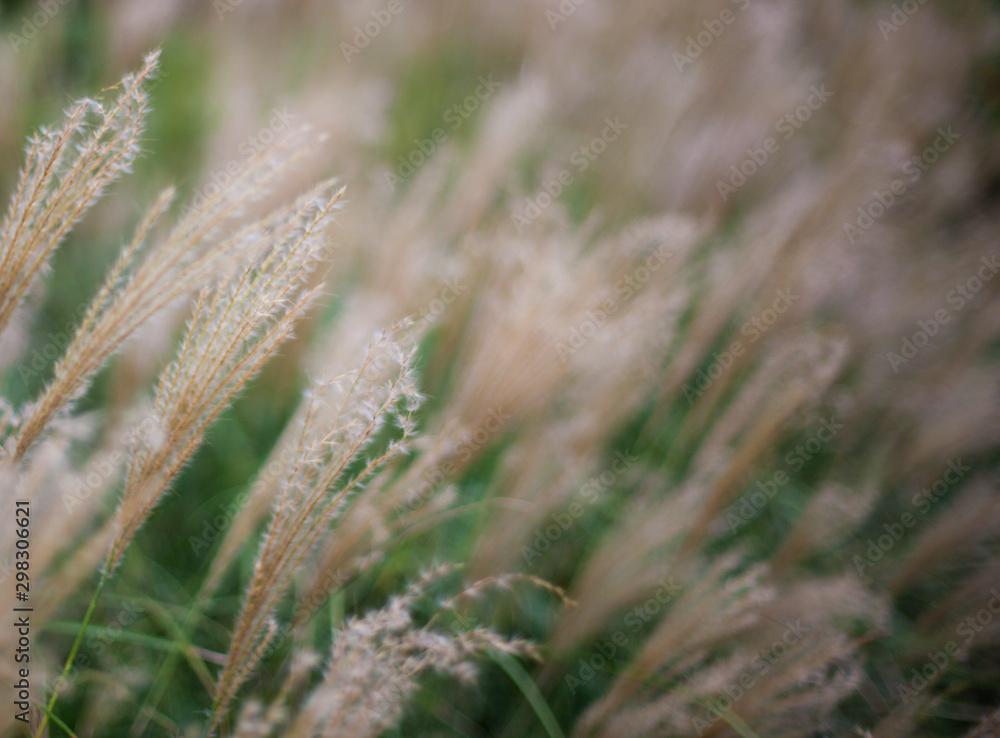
x=413 y=73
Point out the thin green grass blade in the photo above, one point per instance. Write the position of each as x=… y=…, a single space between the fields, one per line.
x=529 y=689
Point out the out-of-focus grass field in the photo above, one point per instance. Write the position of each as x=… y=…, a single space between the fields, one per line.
x=220 y=80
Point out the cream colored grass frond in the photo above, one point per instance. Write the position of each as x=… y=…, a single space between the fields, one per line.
x=235 y=328
x=376 y=663
x=192 y=255
x=67 y=170
x=310 y=418
x=334 y=458
x=784 y=646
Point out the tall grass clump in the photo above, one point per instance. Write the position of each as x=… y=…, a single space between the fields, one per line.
x=646 y=385
x=251 y=280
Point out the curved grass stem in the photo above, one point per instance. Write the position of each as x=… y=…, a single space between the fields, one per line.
x=61 y=681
